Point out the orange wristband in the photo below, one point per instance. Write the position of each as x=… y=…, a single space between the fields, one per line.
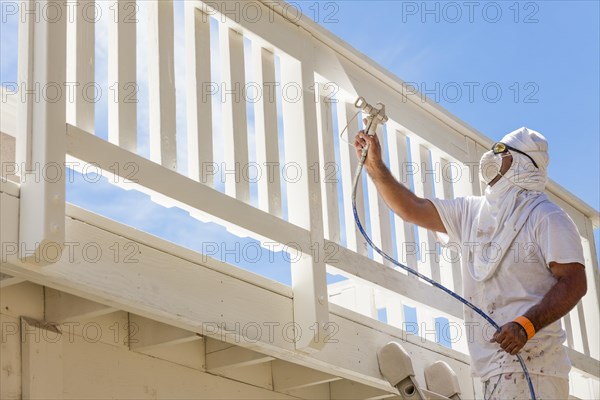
x=527 y=325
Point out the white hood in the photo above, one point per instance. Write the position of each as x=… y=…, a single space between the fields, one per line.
x=509 y=202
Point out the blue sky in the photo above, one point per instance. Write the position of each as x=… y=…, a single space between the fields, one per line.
x=551 y=54
x=531 y=64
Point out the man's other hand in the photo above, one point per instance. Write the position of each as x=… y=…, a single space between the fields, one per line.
x=511 y=337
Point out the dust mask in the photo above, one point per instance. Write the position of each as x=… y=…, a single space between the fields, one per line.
x=489 y=166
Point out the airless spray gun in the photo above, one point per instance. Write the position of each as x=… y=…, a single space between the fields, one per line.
x=375 y=116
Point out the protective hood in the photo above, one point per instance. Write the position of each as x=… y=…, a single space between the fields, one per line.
x=524 y=173
x=509 y=202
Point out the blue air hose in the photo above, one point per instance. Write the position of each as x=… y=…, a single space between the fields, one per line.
x=412 y=271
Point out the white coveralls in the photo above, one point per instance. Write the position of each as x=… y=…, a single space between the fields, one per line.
x=506 y=240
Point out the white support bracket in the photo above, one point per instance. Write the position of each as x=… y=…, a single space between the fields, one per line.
x=42 y=130
x=440 y=378
x=396 y=367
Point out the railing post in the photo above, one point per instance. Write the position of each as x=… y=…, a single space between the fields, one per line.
x=311 y=311
x=42 y=130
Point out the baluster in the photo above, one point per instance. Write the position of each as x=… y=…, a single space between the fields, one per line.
x=428 y=263
x=399 y=162
x=349 y=161
x=329 y=171
x=198 y=95
x=590 y=300
x=122 y=80
x=381 y=231
x=267 y=140
x=450 y=268
x=80 y=66
x=468 y=183
x=161 y=84
x=576 y=331
x=235 y=130
x=395 y=310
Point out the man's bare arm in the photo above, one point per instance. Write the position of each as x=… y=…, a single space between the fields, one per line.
x=570 y=287
x=401 y=200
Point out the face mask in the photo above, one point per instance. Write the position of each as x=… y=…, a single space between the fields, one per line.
x=489 y=166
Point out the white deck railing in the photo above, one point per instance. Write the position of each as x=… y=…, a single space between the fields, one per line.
x=311 y=67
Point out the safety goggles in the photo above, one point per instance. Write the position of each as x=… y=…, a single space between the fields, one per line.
x=499 y=148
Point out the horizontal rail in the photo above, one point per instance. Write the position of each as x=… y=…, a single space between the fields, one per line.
x=183 y=190
x=375 y=273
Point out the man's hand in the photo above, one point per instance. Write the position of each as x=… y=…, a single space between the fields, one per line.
x=511 y=337
x=374 y=155
x=401 y=200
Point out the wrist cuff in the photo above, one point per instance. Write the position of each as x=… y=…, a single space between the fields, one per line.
x=527 y=325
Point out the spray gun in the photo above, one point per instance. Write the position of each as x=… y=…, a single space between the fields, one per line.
x=375 y=116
